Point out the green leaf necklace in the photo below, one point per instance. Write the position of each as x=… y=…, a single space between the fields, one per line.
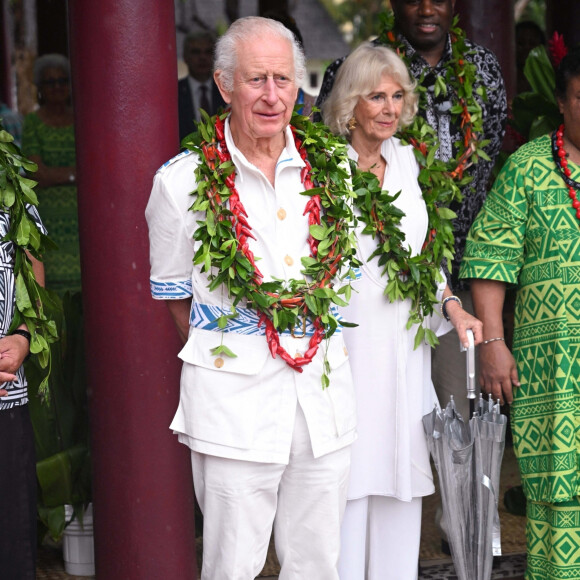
x=408 y=277
x=16 y=191
x=459 y=77
x=224 y=249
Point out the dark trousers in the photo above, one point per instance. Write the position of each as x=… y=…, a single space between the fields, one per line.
x=17 y=496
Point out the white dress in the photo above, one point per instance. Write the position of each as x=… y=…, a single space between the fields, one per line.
x=392 y=381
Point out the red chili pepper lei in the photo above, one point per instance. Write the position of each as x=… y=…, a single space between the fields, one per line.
x=243 y=231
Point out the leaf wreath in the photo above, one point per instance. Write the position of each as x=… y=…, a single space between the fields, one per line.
x=16 y=193
x=457 y=82
x=222 y=251
x=409 y=277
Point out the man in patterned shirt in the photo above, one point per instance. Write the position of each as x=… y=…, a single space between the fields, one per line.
x=422 y=26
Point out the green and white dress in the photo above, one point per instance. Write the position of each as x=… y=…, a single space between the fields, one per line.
x=527 y=234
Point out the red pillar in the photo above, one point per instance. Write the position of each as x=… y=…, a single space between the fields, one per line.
x=124 y=77
x=491 y=24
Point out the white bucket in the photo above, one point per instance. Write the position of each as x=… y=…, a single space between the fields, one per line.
x=78 y=544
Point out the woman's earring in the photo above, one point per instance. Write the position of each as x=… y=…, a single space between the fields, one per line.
x=351 y=124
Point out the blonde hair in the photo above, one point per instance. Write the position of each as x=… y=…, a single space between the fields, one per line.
x=359 y=75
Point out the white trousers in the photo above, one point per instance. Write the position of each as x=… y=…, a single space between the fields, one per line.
x=380 y=539
x=241 y=500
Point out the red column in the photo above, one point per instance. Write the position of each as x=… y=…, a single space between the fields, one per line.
x=124 y=77
x=491 y=24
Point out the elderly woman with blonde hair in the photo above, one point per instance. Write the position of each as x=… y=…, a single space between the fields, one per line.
x=373 y=97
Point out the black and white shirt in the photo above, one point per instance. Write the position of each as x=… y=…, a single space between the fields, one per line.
x=17 y=391
x=436 y=112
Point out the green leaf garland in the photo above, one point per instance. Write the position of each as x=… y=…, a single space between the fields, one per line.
x=16 y=192
x=416 y=277
x=458 y=78
x=221 y=236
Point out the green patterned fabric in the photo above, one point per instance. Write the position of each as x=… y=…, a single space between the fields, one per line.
x=553 y=534
x=57 y=204
x=527 y=234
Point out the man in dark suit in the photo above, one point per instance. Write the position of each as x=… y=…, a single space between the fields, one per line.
x=198 y=90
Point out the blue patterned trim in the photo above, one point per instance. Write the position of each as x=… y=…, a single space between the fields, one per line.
x=171 y=290
x=205 y=316
x=184 y=153
x=357 y=274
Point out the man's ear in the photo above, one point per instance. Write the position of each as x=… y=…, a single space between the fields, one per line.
x=226 y=96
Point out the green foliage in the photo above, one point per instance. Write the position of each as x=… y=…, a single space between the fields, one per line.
x=457 y=80
x=221 y=235
x=219 y=252
x=411 y=277
x=16 y=192
x=536 y=112
x=60 y=422
x=536 y=12
x=357 y=18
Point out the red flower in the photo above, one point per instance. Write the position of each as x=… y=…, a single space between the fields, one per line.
x=558 y=49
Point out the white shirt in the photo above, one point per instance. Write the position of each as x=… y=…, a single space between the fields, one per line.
x=246 y=408
x=392 y=381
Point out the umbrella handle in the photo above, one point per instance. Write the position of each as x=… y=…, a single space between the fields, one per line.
x=470 y=364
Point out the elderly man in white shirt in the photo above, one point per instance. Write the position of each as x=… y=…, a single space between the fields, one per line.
x=270 y=446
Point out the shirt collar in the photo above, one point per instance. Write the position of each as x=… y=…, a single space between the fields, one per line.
x=289 y=156
x=413 y=54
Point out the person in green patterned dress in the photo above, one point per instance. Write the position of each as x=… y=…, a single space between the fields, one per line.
x=48 y=140
x=528 y=235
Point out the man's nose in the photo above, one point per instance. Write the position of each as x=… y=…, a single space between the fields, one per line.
x=426 y=7
x=270 y=90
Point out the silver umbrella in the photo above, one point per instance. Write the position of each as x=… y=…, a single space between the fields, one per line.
x=468 y=457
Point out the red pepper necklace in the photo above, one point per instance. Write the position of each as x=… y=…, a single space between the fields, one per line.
x=243 y=231
x=561 y=160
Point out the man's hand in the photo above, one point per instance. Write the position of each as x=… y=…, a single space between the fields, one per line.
x=13 y=351
x=497 y=371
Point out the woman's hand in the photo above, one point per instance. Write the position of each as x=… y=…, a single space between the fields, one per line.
x=498 y=373
x=497 y=368
x=463 y=321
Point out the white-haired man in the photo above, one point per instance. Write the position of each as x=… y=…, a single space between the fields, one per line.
x=270 y=446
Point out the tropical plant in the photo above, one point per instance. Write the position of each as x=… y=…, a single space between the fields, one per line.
x=536 y=112
x=56 y=386
x=17 y=195
x=60 y=422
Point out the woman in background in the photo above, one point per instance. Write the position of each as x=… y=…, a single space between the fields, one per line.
x=48 y=139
